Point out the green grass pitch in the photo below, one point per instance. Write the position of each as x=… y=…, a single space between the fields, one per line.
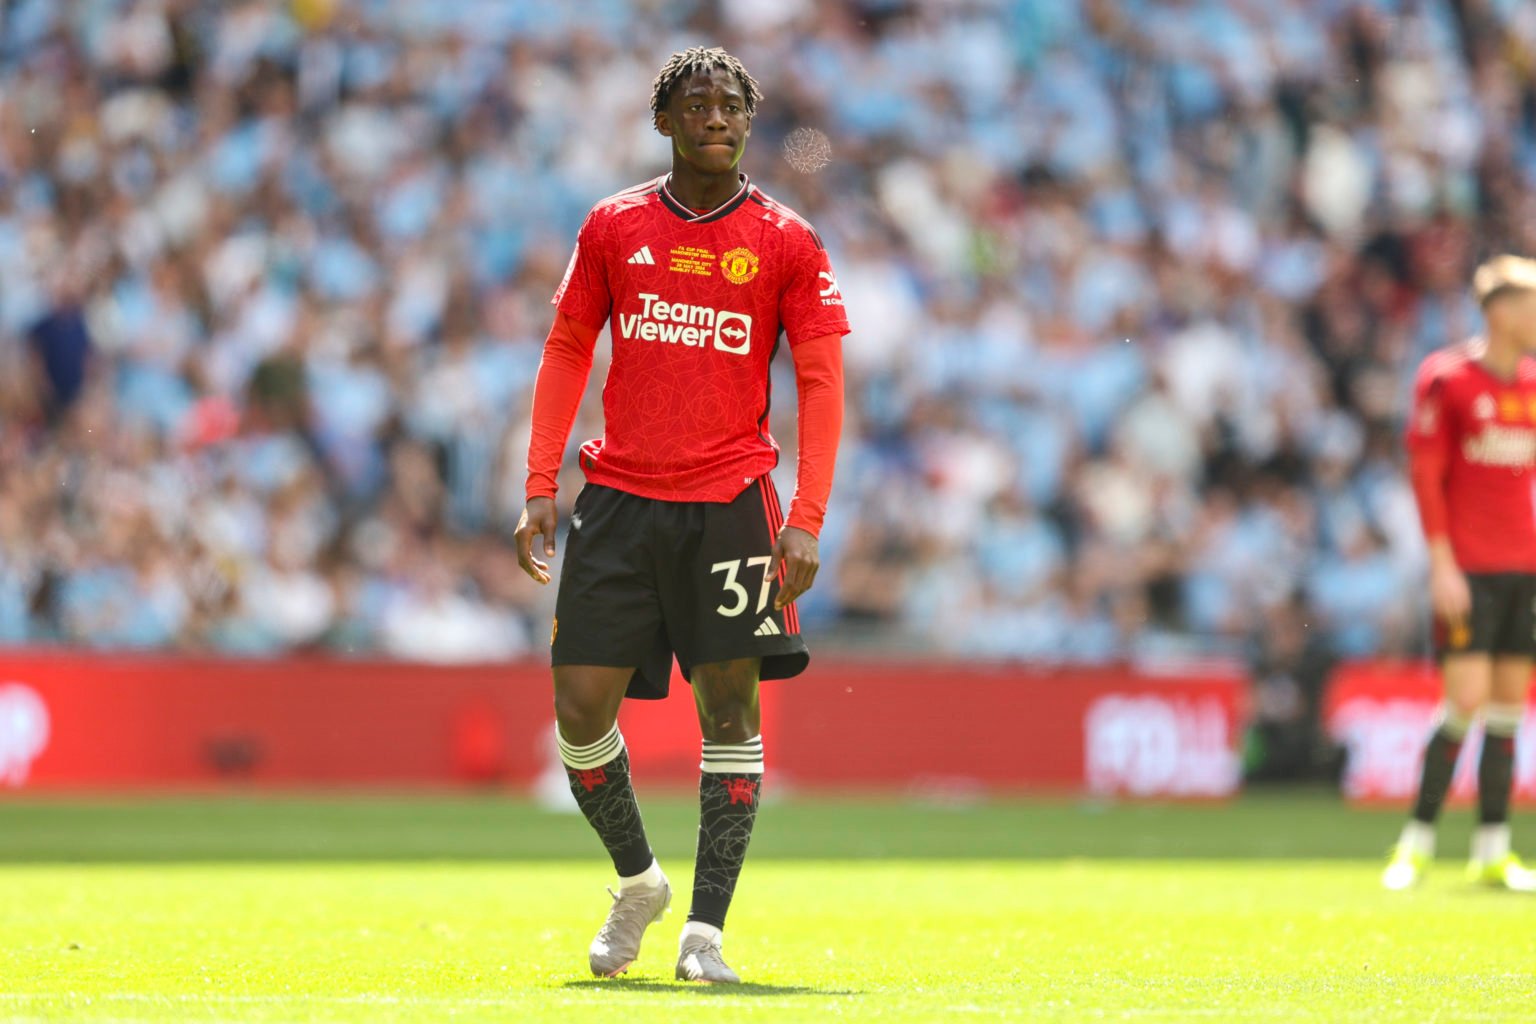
x=480 y=909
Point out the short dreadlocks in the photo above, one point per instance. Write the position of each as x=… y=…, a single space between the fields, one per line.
x=701 y=60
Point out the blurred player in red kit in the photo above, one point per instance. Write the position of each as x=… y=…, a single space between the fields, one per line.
x=678 y=545
x=1472 y=451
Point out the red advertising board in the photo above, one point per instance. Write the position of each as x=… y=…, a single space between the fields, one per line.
x=1381 y=712
x=77 y=721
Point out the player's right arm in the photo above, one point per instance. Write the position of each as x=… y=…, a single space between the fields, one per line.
x=583 y=301
x=557 y=392
x=1429 y=459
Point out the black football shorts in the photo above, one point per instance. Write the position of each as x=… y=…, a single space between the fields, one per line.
x=643 y=580
x=1502 y=621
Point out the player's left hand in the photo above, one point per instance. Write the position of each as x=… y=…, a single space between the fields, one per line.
x=798 y=552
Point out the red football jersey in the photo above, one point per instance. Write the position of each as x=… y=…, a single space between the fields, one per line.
x=1484 y=430
x=697 y=303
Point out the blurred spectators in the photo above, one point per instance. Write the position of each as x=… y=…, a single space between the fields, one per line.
x=1137 y=290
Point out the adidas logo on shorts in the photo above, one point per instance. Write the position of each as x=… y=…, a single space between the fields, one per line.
x=643 y=256
x=768 y=628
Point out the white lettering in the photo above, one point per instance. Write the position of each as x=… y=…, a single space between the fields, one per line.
x=1147 y=745
x=831 y=295
x=1501 y=446
x=678 y=323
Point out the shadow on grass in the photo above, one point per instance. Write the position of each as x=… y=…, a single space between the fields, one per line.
x=664 y=985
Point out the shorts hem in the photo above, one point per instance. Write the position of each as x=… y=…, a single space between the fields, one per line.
x=780 y=661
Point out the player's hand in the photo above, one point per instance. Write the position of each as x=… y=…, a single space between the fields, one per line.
x=1449 y=592
x=797 y=551
x=538 y=520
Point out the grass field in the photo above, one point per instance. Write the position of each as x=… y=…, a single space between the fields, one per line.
x=469 y=909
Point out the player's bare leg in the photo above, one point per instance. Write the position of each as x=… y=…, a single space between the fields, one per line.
x=1492 y=861
x=587 y=699
x=1468 y=680
x=730 y=782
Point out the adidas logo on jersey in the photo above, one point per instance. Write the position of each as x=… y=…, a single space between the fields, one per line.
x=768 y=628
x=643 y=257
x=678 y=323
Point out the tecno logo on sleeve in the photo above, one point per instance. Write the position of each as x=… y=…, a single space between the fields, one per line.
x=678 y=323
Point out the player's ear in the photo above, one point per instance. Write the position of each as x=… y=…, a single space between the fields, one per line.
x=662 y=123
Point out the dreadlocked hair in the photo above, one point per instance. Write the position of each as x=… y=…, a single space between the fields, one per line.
x=701 y=60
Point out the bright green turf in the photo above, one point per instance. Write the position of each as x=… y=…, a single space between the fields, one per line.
x=396 y=911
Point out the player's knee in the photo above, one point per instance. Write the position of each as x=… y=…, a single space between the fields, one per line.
x=581 y=719
x=1460 y=710
x=729 y=720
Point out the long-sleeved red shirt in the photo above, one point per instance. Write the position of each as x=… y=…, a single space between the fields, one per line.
x=562 y=381
x=697 y=304
x=1472 y=459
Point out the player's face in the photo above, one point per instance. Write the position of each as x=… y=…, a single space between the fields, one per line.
x=1525 y=317
x=706 y=119
x=1516 y=314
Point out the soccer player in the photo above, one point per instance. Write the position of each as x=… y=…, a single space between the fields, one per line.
x=1472 y=448
x=677 y=543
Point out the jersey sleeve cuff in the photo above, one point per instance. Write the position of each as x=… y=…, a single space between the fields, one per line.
x=540 y=489
x=802 y=522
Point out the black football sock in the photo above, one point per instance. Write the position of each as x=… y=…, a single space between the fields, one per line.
x=599 y=774
x=1439 y=765
x=730 y=783
x=1496 y=770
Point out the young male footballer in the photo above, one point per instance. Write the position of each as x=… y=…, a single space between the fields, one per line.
x=1472 y=448
x=677 y=544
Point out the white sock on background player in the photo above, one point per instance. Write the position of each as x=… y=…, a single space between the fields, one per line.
x=1490 y=843
x=1418 y=838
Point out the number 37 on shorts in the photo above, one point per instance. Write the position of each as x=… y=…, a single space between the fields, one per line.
x=644 y=581
x=737 y=594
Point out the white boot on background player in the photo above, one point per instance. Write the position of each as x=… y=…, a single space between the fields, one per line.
x=1493 y=864
x=1410 y=857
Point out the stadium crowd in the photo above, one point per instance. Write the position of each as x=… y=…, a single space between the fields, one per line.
x=1137 y=290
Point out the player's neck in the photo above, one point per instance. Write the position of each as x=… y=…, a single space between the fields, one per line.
x=1501 y=356
x=699 y=191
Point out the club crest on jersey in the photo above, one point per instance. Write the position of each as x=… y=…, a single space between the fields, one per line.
x=739 y=265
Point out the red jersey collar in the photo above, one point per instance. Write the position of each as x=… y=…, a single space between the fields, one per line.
x=1477 y=348
x=670 y=202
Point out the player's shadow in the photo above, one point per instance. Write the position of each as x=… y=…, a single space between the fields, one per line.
x=665 y=985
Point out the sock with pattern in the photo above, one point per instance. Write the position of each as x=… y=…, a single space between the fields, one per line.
x=599 y=774
x=730 y=783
